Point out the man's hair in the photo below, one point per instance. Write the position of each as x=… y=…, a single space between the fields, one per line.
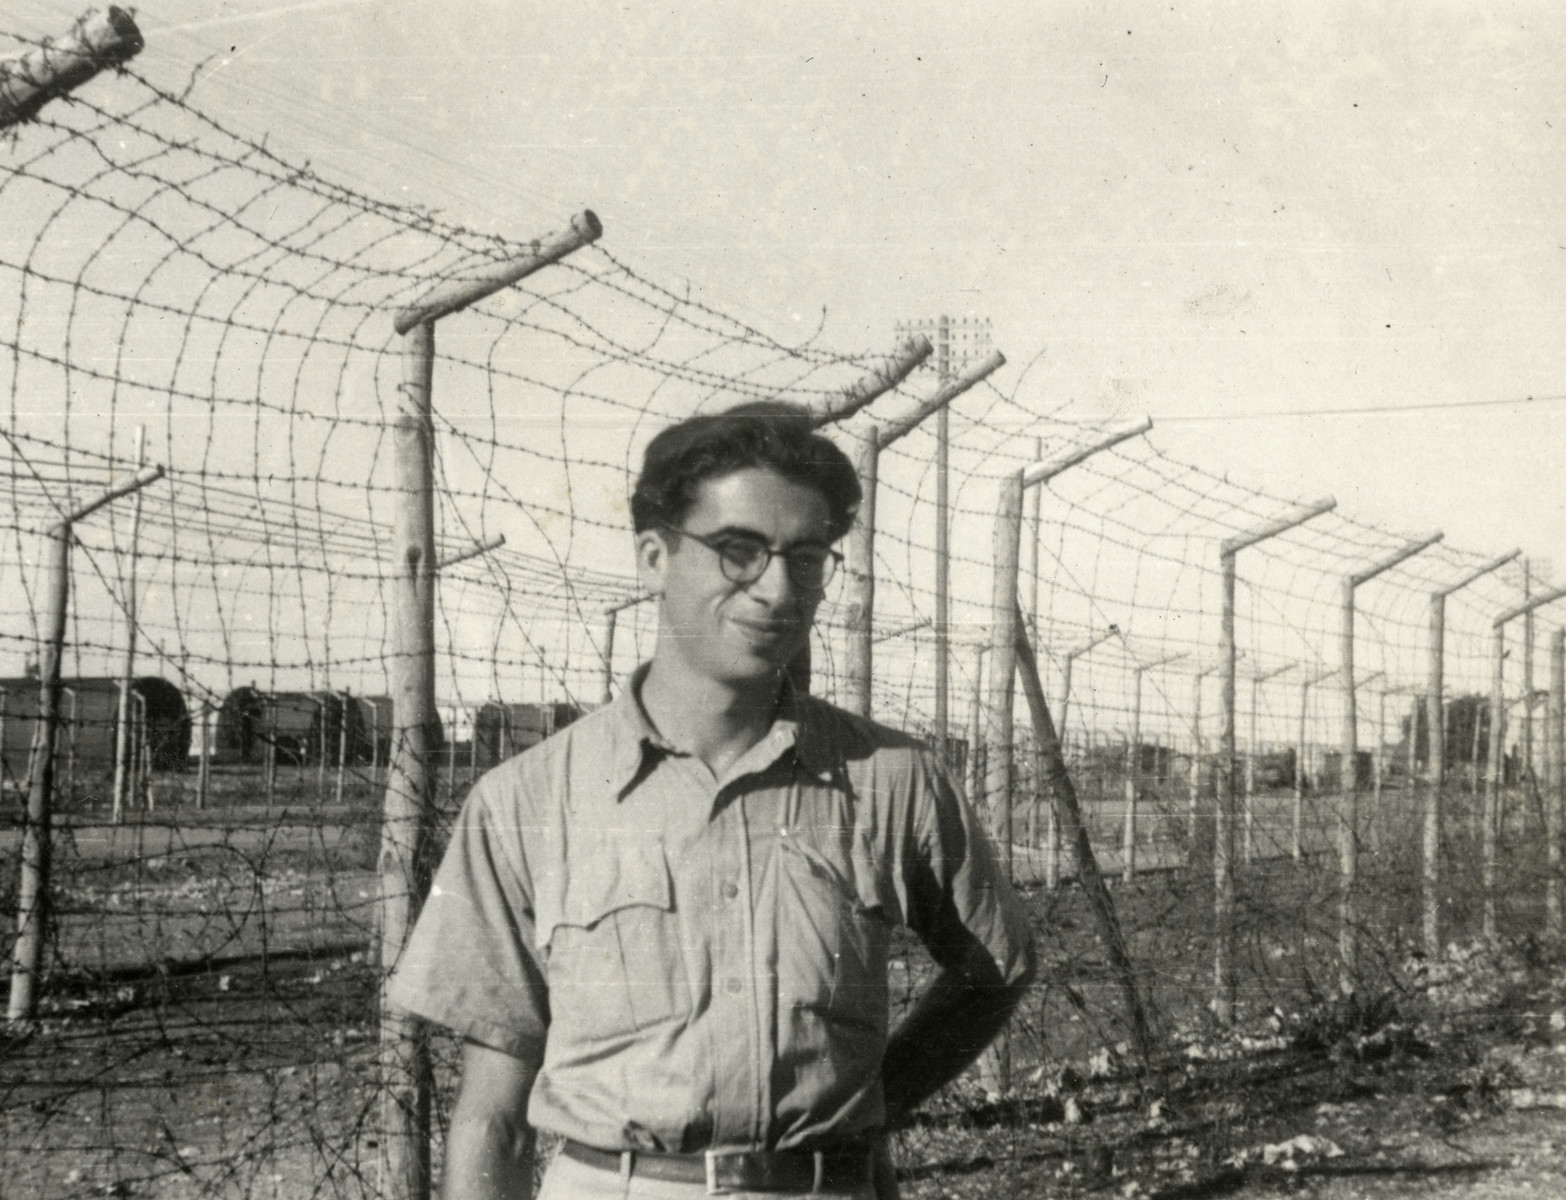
x=770 y=434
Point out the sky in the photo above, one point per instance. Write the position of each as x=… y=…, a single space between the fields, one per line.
x=1319 y=244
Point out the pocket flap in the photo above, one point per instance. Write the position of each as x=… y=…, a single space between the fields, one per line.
x=602 y=879
x=853 y=870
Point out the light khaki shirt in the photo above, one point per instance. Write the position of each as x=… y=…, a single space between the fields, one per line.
x=696 y=961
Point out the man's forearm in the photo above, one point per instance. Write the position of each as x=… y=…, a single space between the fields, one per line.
x=948 y=1027
x=488 y=1158
x=489 y=1146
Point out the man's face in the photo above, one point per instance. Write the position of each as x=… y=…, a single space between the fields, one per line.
x=722 y=630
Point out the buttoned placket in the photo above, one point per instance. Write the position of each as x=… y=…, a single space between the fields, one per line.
x=716 y=845
x=742 y=1042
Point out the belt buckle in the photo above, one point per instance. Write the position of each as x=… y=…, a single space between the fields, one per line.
x=710 y=1157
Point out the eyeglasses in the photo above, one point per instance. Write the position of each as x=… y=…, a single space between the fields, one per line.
x=744 y=559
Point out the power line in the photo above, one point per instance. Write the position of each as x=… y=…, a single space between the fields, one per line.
x=1359 y=410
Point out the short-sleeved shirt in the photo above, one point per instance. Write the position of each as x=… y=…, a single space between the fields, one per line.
x=694 y=961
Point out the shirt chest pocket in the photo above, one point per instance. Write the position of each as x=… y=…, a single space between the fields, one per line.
x=612 y=942
x=834 y=940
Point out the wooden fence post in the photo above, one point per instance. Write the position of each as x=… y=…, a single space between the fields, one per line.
x=122 y=764
x=1003 y=662
x=1348 y=823
x=1252 y=758
x=859 y=599
x=406 y=1072
x=943 y=559
x=32 y=901
x=204 y=774
x=1225 y=980
x=998 y=732
x=1435 y=767
x=1555 y=802
x=344 y=701
x=403 y=1157
x=1493 y=780
x=859 y=586
x=1194 y=784
x=1494 y=812
x=1132 y=781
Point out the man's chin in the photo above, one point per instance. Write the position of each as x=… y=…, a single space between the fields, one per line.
x=753 y=663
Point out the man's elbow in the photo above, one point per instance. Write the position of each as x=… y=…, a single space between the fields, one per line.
x=1017 y=966
x=1024 y=967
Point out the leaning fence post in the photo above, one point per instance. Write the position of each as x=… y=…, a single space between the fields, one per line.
x=32 y=900
x=1063 y=795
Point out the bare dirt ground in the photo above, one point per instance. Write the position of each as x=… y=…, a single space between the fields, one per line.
x=1456 y=1089
x=221 y=1044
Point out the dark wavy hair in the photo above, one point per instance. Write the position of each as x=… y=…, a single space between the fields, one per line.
x=770 y=434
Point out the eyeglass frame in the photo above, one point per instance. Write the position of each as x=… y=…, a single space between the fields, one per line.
x=829 y=555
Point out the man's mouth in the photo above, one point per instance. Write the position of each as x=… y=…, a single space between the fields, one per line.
x=767 y=631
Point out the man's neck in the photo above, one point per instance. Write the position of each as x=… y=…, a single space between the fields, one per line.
x=716 y=721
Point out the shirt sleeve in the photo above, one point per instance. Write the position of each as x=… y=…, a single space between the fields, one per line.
x=472 y=963
x=958 y=891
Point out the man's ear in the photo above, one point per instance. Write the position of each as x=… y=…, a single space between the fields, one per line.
x=652 y=560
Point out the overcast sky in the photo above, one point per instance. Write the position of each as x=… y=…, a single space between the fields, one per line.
x=1321 y=245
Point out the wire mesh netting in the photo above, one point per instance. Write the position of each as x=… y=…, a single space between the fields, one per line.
x=176 y=294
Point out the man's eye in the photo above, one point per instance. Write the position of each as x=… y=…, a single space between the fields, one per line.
x=742 y=553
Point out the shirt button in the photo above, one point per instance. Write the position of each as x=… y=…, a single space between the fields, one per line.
x=730 y=890
x=733 y=987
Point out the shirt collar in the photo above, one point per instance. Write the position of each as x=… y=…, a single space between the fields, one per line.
x=798 y=728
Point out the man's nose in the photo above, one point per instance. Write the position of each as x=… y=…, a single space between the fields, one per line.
x=774 y=586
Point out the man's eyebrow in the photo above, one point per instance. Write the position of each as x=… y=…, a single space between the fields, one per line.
x=755 y=535
x=737 y=531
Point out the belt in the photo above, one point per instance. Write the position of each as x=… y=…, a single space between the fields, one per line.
x=726 y=1171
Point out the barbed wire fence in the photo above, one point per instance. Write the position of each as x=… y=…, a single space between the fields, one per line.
x=238 y=821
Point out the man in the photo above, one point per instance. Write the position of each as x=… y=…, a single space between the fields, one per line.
x=663 y=933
